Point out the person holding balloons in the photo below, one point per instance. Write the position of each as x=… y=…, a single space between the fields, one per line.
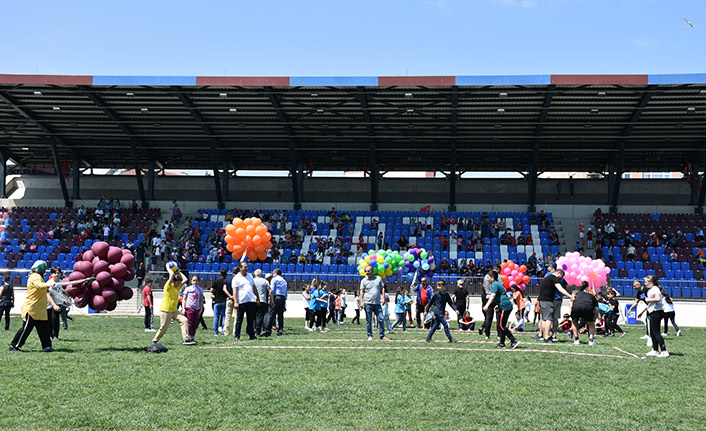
x=371 y=295
x=168 y=309
x=34 y=309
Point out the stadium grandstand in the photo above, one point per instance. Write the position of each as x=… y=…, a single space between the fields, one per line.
x=58 y=132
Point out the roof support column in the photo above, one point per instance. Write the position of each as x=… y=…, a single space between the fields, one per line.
x=216 y=177
x=3 y=173
x=150 y=177
x=692 y=170
x=617 y=177
x=532 y=179
x=452 y=179
x=138 y=172
x=225 y=178
x=60 y=173
x=699 y=209
x=374 y=179
x=75 y=175
x=294 y=173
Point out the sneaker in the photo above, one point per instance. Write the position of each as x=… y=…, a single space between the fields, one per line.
x=679 y=333
x=237 y=339
x=652 y=353
x=384 y=339
x=390 y=332
x=370 y=338
x=405 y=332
x=323 y=331
x=577 y=341
x=547 y=341
x=554 y=339
x=310 y=329
x=428 y=340
x=663 y=354
x=591 y=342
x=664 y=334
x=622 y=334
x=537 y=337
x=645 y=337
x=14 y=349
x=47 y=350
x=514 y=344
x=453 y=340
x=499 y=346
x=188 y=342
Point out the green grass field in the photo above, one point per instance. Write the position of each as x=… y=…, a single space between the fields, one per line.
x=100 y=379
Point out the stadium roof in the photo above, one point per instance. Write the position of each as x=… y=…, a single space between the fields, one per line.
x=495 y=123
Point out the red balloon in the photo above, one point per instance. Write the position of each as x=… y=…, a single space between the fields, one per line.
x=128 y=259
x=100 y=249
x=110 y=295
x=126 y=251
x=88 y=256
x=81 y=300
x=129 y=275
x=125 y=294
x=118 y=270
x=104 y=279
x=526 y=279
x=73 y=291
x=118 y=284
x=100 y=266
x=114 y=254
x=96 y=288
x=97 y=303
x=523 y=268
x=76 y=276
x=84 y=267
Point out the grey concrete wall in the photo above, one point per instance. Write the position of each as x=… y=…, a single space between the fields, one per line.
x=354 y=193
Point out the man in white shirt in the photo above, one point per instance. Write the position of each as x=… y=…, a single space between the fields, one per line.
x=245 y=301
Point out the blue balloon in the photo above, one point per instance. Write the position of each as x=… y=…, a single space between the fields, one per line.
x=416 y=264
x=373 y=263
x=425 y=267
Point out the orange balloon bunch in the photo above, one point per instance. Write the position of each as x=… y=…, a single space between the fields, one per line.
x=248 y=237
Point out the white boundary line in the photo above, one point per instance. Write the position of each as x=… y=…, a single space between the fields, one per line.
x=464 y=349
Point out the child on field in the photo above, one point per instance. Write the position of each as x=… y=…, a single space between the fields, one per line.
x=386 y=313
x=193 y=300
x=339 y=309
x=565 y=325
x=466 y=323
x=518 y=323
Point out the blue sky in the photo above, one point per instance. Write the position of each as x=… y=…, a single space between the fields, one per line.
x=353 y=38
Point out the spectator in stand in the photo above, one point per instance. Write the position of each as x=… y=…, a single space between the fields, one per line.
x=402 y=243
x=589 y=238
x=673 y=256
x=645 y=256
x=444 y=265
x=631 y=253
x=454 y=267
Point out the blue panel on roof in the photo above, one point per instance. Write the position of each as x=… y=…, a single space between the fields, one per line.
x=144 y=80
x=504 y=80
x=683 y=78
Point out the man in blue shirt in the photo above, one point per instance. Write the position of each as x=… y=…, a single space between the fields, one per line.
x=278 y=303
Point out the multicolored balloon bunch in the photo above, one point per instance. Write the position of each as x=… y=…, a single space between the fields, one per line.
x=248 y=237
x=418 y=259
x=109 y=267
x=385 y=263
x=513 y=274
x=579 y=268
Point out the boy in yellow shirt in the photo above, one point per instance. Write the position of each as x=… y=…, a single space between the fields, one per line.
x=34 y=309
x=168 y=309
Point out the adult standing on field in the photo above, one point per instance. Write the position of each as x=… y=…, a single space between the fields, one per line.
x=499 y=300
x=245 y=301
x=279 y=302
x=218 y=295
x=263 y=291
x=424 y=293
x=547 y=289
x=656 y=315
x=7 y=301
x=148 y=304
x=169 y=308
x=230 y=302
x=558 y=300
x=461 y=299
x=371 y=292
x=34 y=309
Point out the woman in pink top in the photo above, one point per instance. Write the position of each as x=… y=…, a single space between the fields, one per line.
x=193 y=303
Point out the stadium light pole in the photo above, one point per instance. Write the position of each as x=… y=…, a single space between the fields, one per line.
x=75 y=175
x=532 y=167
x=452 y=179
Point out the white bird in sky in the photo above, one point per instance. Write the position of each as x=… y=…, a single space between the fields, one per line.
x=690 y=24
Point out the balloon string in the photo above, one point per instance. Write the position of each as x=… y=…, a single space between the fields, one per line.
x=66 y=283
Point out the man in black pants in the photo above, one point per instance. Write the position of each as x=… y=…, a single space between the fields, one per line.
x=278 y=302
x=462 y=299
x=490 y=311
x=424 y=294
x=245 y=300
x=263 y=290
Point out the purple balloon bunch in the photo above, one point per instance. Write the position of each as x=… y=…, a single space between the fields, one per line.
x=418 y=259
x=111 y=267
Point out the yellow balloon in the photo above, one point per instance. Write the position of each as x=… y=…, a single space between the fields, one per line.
x=362 y=272
x=380 y=259
x=367 y=259
x=382 y=276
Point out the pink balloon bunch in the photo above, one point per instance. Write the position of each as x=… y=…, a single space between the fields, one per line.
x=111 y=267
x=579 y=268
